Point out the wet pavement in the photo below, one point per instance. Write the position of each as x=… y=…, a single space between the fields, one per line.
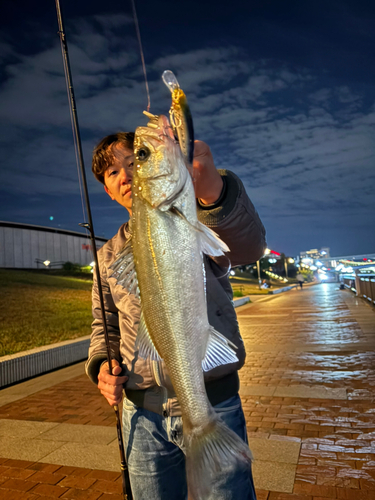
x=309 y=379
x=308 y=391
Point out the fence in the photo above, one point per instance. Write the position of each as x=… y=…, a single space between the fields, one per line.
x=363 y=287
x=368 y=289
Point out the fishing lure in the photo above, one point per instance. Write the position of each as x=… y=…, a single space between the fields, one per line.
x=180 y=116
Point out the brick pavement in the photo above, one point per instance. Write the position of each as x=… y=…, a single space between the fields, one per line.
x=309 y=340
x=313 y=339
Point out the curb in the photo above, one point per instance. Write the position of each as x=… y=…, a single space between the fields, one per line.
x=27 y=364
x=284 y=289
x=241 y=301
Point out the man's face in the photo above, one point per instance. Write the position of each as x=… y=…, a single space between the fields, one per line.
x=118 y=177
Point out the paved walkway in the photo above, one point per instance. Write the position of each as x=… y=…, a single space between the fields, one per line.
x=308 y=391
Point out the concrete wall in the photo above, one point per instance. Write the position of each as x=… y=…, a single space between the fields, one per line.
x=21 y=246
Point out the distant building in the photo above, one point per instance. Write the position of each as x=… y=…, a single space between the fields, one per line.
x=314 y=254
x=29 y=246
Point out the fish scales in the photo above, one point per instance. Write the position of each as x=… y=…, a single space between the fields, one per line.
x=172 y=297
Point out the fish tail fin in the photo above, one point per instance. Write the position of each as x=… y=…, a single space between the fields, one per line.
x=208 y=451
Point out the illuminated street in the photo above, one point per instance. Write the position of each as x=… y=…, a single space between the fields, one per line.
x=308 y=391
x=308 y=387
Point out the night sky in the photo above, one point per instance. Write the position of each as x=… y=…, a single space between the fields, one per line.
x=282 y=91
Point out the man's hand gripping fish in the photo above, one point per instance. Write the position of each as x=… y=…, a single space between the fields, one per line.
x=168 y=243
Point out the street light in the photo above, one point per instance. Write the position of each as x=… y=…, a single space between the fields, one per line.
x=258 y=269
x=286 y=261
x=267 y=251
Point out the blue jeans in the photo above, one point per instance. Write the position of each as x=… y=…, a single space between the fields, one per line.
x=157 y=463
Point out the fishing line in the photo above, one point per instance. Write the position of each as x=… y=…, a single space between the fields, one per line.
x=142 y=56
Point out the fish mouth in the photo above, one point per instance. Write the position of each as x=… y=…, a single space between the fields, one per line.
x=152 y=177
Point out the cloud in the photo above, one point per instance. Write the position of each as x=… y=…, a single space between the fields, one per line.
x=299 y=145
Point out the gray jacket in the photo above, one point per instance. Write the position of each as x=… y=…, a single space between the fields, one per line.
x=235 y=220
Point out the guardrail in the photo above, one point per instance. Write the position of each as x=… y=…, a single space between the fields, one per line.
x=362 y=286
x=368 y=289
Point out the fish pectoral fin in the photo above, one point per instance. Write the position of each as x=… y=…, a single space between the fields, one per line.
x=219 y=351
x=209 y=241
x=144 y=342
x=124 y=270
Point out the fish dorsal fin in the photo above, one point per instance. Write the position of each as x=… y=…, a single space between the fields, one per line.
x=209 y=241
x=144 y=343
x=219 y=351
x=124 y=270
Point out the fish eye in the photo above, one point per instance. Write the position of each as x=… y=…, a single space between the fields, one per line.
x=142 y=154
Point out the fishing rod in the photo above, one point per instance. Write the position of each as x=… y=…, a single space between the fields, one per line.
x=89 y=225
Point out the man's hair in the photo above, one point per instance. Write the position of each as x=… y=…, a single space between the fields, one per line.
x=103 y=157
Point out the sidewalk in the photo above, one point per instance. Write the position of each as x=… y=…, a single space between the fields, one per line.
x=308 y=390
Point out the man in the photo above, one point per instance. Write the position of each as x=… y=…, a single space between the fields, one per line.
x=151 y=414
x=300 y=279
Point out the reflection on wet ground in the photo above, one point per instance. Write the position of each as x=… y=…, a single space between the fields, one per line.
x=320 y=337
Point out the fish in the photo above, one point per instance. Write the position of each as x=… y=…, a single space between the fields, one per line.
x=162 y=264
x=167 y=245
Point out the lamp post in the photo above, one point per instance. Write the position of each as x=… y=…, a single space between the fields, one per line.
x=258 y=267
x=290 y=260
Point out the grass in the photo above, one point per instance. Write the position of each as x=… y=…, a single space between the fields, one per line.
x=40 y=309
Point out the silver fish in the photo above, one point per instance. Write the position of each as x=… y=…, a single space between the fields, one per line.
x=168 y=243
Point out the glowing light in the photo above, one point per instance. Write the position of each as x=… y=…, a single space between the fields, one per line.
x=313 y=268
x=290 y=260
x=267 y=251
x=232 y=273
x=306 y=260
x=318 y=263
x=51 y=217
x=272 y=261
x=47 y=263
x=276 y=277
